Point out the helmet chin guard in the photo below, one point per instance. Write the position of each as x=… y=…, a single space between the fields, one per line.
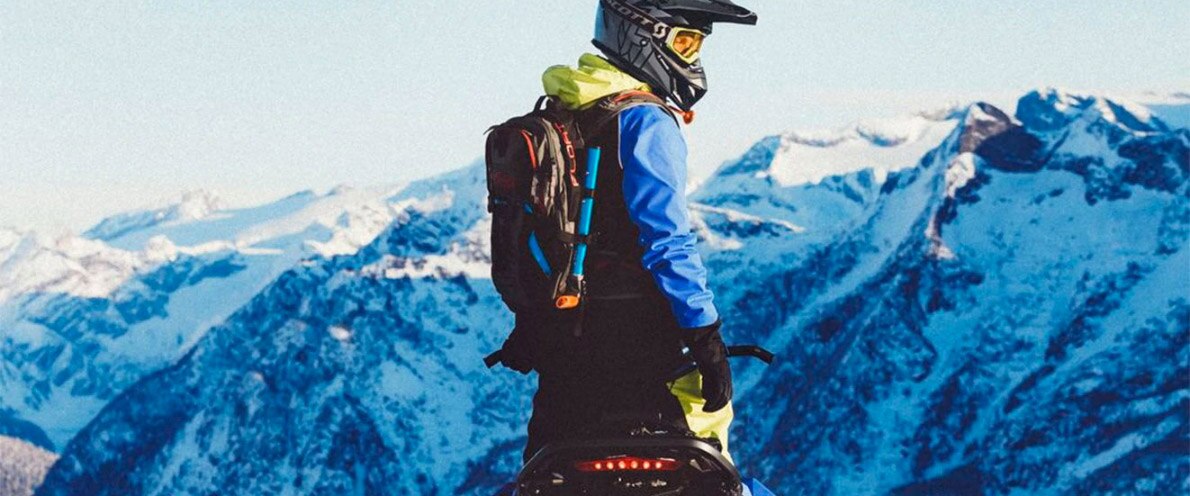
x=633 y=35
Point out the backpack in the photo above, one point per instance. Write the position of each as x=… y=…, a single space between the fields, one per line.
x=536 y=168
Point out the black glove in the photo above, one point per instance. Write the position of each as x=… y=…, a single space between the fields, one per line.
x=710 y=354
x=518 y=350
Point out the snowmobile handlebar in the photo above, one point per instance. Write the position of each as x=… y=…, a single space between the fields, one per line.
x=749 y=350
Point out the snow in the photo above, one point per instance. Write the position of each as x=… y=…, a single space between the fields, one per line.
x=186 y=458
x=467 y=257
x=40 y=274
x=736 y=216
x=1176 y=113
x=846 y=225
x=22 y=466
x=400 y=382
x=67 y=265
x=960 y=172
x=60 y=414
x=1080 y=103
x=882 y=146
x=193 y=205
x=1122 y=447
x=340 y=333
x=1150 y=297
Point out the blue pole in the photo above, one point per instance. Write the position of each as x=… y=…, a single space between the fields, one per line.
x=586 y=209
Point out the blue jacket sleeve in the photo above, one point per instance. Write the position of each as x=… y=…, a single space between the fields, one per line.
x=653 y=154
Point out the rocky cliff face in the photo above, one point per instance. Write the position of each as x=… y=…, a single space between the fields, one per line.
x=964 y=303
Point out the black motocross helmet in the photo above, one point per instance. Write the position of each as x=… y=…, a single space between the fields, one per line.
x=638 y=36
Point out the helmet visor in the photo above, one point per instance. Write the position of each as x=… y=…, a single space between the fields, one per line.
x=686 y=43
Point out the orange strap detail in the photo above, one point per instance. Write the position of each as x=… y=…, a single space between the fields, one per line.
x=529 y=143
x=687 y=115
x=631 y=93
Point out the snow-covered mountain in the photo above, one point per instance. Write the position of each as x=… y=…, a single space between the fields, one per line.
x=85 y=317
x=964 y=303
x=22 y=466
x=1009 y=315
x=359 y=373
x=194 y=205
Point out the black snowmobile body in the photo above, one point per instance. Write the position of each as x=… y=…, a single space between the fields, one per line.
x=636 y=458
x=676 y=465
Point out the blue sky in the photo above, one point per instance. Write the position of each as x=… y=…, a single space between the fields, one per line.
x=106 y=106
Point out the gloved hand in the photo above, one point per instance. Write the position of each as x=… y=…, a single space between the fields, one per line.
x=518 y=350
x=710 y=354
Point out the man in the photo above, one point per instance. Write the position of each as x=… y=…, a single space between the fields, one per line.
x=647 y=294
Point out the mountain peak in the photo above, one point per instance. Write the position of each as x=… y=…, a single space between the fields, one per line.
x=952 y=111
x=1051 y=109
x=883 y=145
x=197 y=204
x=193 y=205
x=982 y=122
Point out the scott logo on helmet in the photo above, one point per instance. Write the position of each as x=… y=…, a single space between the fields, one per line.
x=660 y=29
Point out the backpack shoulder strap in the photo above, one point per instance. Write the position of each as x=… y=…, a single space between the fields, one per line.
x=594 y=120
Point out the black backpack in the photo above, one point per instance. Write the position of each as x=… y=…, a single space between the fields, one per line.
x=536 y=165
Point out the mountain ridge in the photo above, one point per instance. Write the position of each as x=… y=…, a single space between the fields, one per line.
x=875 y=308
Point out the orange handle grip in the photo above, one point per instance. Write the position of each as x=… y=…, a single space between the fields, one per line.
x=566 y=302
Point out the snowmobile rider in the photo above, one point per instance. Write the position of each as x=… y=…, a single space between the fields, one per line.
x=647 y=288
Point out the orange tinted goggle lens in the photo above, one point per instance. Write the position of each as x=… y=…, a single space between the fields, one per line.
x=686 y=43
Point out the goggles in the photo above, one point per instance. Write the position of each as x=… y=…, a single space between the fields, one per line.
x=685 y=43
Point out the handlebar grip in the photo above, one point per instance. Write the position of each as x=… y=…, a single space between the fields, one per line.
x=751 y=350
x=740 y=351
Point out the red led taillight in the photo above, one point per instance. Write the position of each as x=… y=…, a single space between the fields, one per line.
x=628 y=464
